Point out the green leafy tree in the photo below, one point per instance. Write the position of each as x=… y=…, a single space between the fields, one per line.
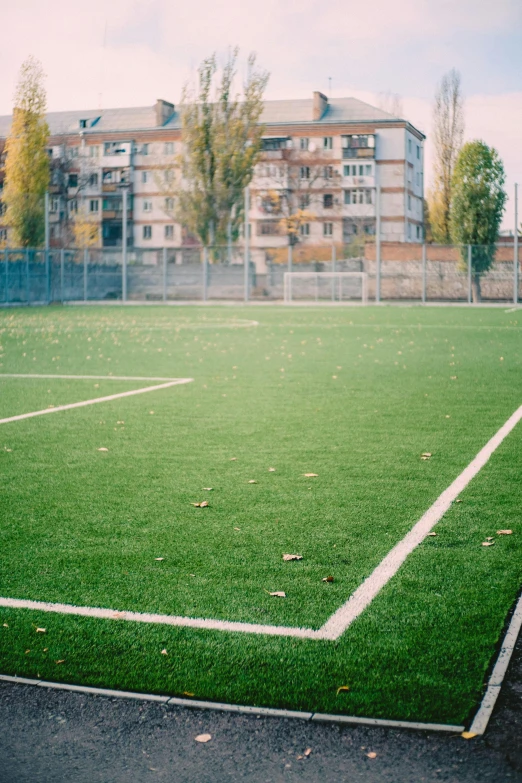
x=221 y=139
x=477 y=206
x=27 y=161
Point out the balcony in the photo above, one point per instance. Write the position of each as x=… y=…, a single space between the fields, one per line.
x=359 y=152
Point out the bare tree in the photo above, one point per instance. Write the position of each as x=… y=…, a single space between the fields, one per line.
x=391 y=102
x=448 y=133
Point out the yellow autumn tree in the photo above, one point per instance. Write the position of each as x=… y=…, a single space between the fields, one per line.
x=86 y=232
x=27 y=161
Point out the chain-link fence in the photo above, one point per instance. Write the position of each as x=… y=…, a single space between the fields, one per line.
x=399 y=272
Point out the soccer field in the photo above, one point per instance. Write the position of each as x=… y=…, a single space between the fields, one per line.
x=234 y=406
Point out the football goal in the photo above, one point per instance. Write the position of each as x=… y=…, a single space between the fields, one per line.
x=326 y=287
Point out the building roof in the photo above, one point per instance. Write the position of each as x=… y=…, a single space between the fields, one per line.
x=338 y=110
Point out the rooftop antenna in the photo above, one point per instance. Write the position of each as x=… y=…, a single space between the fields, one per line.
x=329 y=86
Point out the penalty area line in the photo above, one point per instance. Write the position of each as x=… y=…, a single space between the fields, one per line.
x=96 y=400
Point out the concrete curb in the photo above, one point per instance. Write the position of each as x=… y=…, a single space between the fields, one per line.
x=237 y=708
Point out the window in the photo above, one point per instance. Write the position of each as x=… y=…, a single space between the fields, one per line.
x=93 y=180
x=328 y=200
x=303 y=143
x=3 y=208
x=147 y=232
x=304 y=201
x=94 y=151
x=361 y=171
x=93 y=205
x=328 y=142
x=145 y=149
x=114 y=148
x=346 y=171
x=50 y=151
x=328 y=172
x=169 y=232
x=358 y=141
x=418 y=232
x=73 y=180
x=169 y=148
x=73 y=152
x=169 y=204
x=304 y=229
x=83 y=123
x=54 y=205
x=368 y=197
x=169 y=175
x=144 y=176
x=409 y=146
x=360 y=196
x=268 y=228
x=3 y=235
x=327 y=229
x=73 y=206
x=305 y=172
x=368 y=170
x=418 y=152
x=147 y=206
x=409 y=202
x=275 y=143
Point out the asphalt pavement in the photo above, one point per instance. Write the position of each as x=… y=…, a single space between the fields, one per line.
x=52 y=736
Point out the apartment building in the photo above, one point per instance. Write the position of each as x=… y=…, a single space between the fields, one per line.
x=328 y=158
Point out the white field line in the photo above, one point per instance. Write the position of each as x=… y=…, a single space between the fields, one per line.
x=84 y=377
x=338 y=623
x=485 y=710
x=364 y=595
x=159 y=619
x=95 y=400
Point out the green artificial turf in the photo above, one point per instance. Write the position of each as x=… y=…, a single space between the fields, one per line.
x=355 y=395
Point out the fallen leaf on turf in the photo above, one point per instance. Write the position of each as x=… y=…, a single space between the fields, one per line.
x=488 y=543
x=372 y=755
x=203 y=737
x=207 y=489
x=5 y=625
x=41 y=630
x=327 y=579
x=271 y=470
x=426 y=455
x=468 y=735
x=103 y=449
x=432 y=534
x=237 y=528
x=342 y=689
x=27 y=651
x=299 y=758
x=292 y=557
x=307 y=752
x=187 y=693
x=458 y=500
x=504 y=532
x=159 y=559
x=278 y=594
x=61 y=661
x=46 y=649
x=252 y=481
x=233 y=459
x=489 y=538
x=203 y=504
x=310 y=475
x=164 y=652
x=453 y=377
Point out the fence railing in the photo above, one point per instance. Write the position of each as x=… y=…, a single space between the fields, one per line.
x=402 y=273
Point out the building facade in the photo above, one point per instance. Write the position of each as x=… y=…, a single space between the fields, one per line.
x=337 y=162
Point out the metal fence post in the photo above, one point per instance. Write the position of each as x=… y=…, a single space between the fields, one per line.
x=205 y=272
x=469 y=274
x=85 y=263
x=62 y=272
x=290 y=257
x=164 y=274
x=424 y=272
x=124 y=253
x=247 y=246
x=515 y=250
x=48 y=275
x=378 y=243
x=27 y=280
x=334 y=264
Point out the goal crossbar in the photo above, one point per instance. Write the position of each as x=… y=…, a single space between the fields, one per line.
x=338 y=277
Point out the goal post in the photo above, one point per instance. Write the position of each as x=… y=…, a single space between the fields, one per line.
x=325 y=287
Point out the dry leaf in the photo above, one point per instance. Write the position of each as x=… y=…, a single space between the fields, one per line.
x=5 y=625
x=489 y=538
x=164 y=652
x=203 y=738
x=458 y=500
x=432 y=534
x=61 y=661
x=41 y=630
x=237 y=528
x=252 y=481
x=342 y=689
x=207 y=489
x=271 y=470
x=278 y=594
x=310 y=475
x=292 y=557
x=203 y=504
x=27 y=651
x=187 y=693
x=372 y=755
x=488 y=543
x=426 y=455
x=307 y=752
x=504 y=532
x=46 y=649
x=327 y=579
x=468 y=735
x=103 y=449
x=233 y=459
x=159 y=559
x=453 y=377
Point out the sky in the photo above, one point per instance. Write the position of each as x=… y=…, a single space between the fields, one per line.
x=112 y=53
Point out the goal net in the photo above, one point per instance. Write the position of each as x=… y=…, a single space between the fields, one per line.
x=326 y=287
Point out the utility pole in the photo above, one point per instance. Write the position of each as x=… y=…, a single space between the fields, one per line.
x=124 y=247
x=378 y=243
x=515 y=249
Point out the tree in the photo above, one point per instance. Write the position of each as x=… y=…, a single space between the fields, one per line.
x=221 y=139
x=391 y=102
x=477 y=207
x=448 y=131
x=85 y=230
x=27 y=161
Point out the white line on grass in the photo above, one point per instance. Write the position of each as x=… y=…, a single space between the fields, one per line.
x=95 y=400
x=485 y=710
x=84 y=377
x=338 y=623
